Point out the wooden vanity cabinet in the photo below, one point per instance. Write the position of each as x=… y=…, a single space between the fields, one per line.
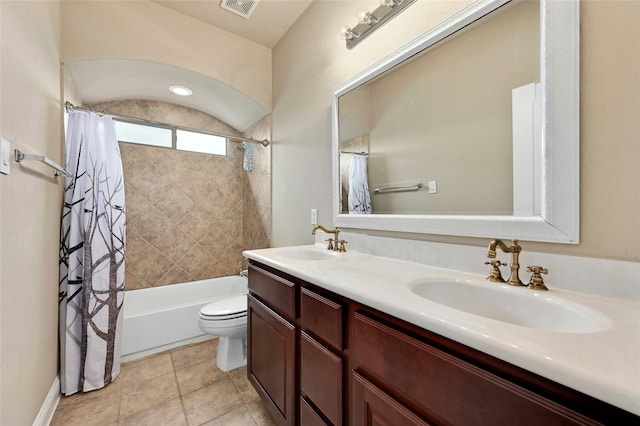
x=326 y=360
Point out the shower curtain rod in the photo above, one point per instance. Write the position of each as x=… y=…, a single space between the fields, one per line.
x=69 y=106
x=355 y=153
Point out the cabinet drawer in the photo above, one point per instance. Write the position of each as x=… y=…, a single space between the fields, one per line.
x=446 y=389
x=308 y=416
x=371 y=406
x=278 y=292
x=321 y=378
x=321 y=316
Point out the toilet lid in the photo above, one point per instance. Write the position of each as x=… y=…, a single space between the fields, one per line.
x=225 y=307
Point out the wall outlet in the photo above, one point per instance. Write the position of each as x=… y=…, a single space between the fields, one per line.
x=314 y=216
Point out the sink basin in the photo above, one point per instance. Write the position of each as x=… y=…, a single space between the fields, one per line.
x=306 y=254
x=512 y=305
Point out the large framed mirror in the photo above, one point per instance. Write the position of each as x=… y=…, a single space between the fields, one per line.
x=472 y=129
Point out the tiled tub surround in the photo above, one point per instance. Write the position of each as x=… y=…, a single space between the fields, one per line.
x=190 y=215
x=603 y=364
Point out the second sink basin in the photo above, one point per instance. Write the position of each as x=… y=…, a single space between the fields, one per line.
x=517 y=306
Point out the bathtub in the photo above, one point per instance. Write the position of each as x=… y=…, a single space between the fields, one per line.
x=161 y=318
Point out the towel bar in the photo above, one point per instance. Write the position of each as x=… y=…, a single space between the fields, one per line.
x=20 y=156
x=415 y=187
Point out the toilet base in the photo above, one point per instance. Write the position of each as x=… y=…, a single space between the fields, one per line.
x=232 y=352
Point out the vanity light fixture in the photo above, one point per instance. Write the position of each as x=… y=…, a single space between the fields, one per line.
x=180 y=90
x=368 y=22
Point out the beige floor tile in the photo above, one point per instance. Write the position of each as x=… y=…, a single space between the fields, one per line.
x=76 y=410
x=141 y=395
x=111 y=390
x=198 y=376
x=146 y=368
x=245 y=389
x=239 y=417
x=167 y=413
x=261 y=414
x=148 y=393
x=211 y=402
x=194 y=354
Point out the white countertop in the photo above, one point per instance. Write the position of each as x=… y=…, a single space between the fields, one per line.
x=604 y=364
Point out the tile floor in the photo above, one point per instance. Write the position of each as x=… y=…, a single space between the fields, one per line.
x=182 y=386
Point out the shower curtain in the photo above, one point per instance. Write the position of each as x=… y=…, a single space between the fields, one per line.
x=92 y=242
x=359 y=196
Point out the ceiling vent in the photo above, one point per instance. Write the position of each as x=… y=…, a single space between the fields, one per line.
x=242 y=8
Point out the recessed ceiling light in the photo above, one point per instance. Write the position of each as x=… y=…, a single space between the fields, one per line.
x=181 y=90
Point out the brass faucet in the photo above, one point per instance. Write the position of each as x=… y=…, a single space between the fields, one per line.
x=515 y=249
x=335 y=244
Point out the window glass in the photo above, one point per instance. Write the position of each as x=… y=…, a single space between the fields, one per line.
x=142 y=134
x=201 y=142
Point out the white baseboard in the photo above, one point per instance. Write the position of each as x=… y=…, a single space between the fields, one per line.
x=49 y=405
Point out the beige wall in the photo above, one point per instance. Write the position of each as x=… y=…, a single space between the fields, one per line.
x=30 y=203
x=610 y=89
x=147 y=31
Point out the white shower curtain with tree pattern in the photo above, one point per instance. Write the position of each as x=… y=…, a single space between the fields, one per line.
x=92 y=242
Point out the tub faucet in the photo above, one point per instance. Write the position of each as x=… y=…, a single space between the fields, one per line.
x=515 y=250
x=333 y=244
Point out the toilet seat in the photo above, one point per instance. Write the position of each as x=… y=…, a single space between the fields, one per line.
x=226 y=309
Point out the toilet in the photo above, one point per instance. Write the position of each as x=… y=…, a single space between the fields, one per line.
x=227 y=319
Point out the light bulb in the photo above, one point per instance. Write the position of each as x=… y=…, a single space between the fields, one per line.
x=365 y=17
x=347 y=34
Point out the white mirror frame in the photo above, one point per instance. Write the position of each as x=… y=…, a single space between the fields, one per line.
x=559 y=220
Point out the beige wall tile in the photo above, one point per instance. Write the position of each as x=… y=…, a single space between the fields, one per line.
x=190 y=215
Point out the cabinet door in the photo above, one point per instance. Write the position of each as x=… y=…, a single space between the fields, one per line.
x=271 y=360
x=370 y=406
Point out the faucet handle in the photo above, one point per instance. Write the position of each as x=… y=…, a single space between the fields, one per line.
x=342 y=248
x=330 y=245
x=495 y=275
x=536 y=282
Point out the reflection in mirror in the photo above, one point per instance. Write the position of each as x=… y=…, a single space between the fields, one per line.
x=451 y=114
x=471 y=129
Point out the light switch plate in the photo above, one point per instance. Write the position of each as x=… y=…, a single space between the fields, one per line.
x=5 y=157
x=433 y=187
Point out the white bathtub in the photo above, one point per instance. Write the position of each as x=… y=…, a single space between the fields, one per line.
x=160 y=318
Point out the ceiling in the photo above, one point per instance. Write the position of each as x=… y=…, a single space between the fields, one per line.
x=110 y=80
x=268 y=23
